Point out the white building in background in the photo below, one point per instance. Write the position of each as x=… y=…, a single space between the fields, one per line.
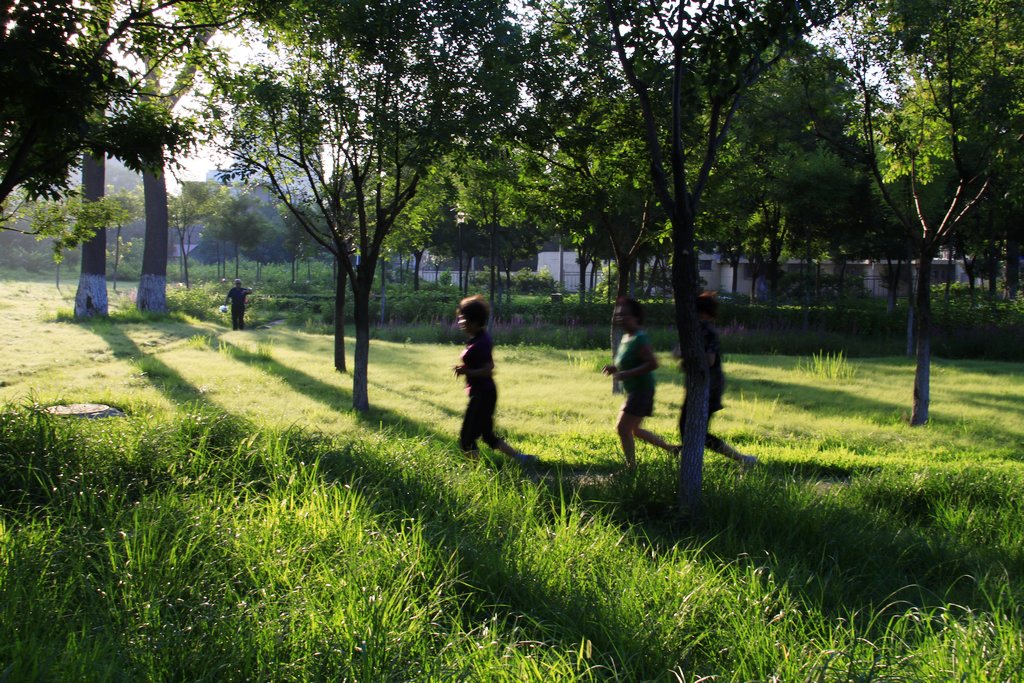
x=562 y=265
x=717 y=273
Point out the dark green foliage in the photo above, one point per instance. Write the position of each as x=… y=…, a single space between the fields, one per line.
x=66 y=93
x=965 y=326
x=526 y=281
x=200 y=302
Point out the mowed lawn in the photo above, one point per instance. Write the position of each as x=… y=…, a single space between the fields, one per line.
x=553 y=402
x=244 y=523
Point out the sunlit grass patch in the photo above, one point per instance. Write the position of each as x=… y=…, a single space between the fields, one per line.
x=829 y=366
x=242 y=495
x=264 y=350
x=384 y=555
x=202 y=342
x=147 y=366
x=585 y=361
x=64 y=314
x=228 y=349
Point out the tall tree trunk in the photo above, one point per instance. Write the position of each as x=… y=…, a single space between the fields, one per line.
x=969 y=262
x=340 y=286
x=892 y=279
x=152 y=295
x=805 y=277
x=582 y=259
x=992 y=263
x=184 y=261
x=91 y=297
x=417 y=262
x=462 y=283
x=561 y=264
x=923 y=324
x=383 y=291
x=493 y=258
x=622 y=270
x=950 y=261
x=693 y=421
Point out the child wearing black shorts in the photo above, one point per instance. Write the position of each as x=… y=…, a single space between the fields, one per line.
x=634 y=366
x=477 y=366
x=707 y=309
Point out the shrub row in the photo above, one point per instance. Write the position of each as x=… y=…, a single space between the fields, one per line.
x=964 y=328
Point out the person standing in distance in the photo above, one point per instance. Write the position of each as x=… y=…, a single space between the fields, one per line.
x=477 y=366
x=634 y=366
x=236 y=297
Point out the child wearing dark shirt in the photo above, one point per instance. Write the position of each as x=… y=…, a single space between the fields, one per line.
x=477 y=366
x=707 y=309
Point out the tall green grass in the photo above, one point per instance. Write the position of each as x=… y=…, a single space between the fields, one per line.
x=242 y=523
x=206 y=548
x=824 y=365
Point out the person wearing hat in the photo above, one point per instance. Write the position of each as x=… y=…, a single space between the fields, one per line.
x=236 y=297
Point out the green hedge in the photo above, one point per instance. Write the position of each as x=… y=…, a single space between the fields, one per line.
x=964 y=327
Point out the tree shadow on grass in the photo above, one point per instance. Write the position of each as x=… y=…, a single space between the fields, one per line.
x=832 y=554
x=815 y=398
x=481 y=539
x=332 y=396
x=454 y=519
x=151 y=369
x=833 y=551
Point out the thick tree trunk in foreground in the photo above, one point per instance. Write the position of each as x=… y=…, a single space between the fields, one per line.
x=693 y=422
x=152 y=295
x=91 y=297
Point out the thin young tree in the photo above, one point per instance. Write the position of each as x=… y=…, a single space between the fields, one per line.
x=931 y=118
x=689 y=66
x=360 y=99
x=194 y=205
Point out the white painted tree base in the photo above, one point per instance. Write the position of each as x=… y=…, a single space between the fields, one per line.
x=152 y=294
x=91 y=297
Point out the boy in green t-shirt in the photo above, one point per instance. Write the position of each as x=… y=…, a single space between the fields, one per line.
x=634 y=366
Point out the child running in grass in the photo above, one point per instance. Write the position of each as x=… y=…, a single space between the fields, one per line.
x=707 y=309
x=477 y=367
x=634 y=366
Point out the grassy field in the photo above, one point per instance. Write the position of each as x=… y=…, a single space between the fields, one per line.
x=243 y=523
